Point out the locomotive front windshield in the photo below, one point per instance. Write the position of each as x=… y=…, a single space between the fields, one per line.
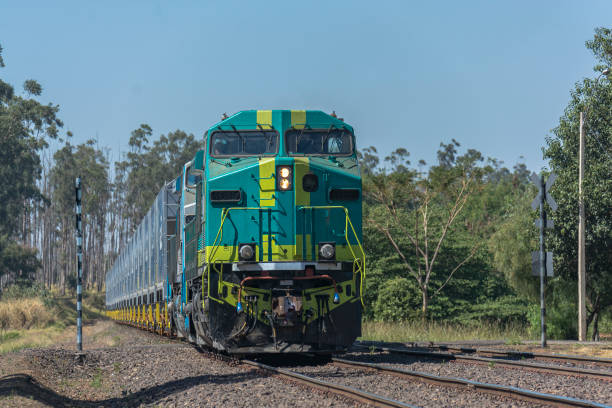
x=332 y=142
x=236 y=143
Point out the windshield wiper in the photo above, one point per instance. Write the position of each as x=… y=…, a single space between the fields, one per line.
x=226 y=164
x=240 y=136
x=299 y=138
x=326 y=137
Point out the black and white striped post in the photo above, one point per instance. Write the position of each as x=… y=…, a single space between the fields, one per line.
x=79 y=259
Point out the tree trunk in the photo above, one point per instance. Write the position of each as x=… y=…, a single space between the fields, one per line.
x=595 y=336
x=425 y=302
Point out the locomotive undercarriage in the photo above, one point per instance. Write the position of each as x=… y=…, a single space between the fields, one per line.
x=281 y=311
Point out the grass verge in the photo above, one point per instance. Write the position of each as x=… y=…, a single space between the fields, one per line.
x=30 y=322
x=440 y=331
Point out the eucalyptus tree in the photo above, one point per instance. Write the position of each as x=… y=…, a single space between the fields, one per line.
x=26 y=125
x=89 y=162
x=145 y=169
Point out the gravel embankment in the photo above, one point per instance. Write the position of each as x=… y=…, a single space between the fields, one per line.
x=144 y=370
x=565 y=385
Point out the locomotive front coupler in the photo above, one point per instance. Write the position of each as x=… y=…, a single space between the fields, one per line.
x=308 y=276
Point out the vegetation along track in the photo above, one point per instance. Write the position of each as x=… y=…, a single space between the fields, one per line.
x=507 y=391
x=547 y=368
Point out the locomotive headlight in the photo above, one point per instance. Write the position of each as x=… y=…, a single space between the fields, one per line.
x=284 y=172
x=327 y=251
x=285 y=184
x=284 y=178
x=246 y=252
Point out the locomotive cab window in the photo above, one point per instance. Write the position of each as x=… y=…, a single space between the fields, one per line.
x=193 y=178
x=237 y=143
x=324 y=142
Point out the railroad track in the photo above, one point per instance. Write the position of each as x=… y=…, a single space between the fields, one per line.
x=562 y=370
x=576 y=359
x=382 y=401
x=339 y=389
x=535 y=356
x=507 y=391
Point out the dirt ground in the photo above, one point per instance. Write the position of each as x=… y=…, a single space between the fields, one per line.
x=45 y=376
x=127 y=367
x=600 y=349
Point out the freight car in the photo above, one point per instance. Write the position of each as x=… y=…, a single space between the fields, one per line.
x=255 y=247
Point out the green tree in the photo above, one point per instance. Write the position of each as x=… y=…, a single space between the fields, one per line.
x=511 y=246
x=88 y=162
x=562 y=150
x=25 y=127
x=418 y=215
x=146 y=167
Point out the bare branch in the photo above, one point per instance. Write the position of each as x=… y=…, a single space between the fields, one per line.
x=408 y=234
x=472 y=252
x=456 y=209
x=397 y=249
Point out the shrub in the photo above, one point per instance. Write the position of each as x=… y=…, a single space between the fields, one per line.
x=24 y=314
x=395 y=301
x=28 y=290
x=506 y=310
x=561 y=321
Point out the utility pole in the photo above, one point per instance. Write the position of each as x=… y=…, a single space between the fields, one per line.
x=582 y=327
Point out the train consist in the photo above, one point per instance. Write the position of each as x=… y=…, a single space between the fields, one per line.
x=256 y=246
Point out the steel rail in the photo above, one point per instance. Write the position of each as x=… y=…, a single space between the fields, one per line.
x=536 y=356
x=339 y=389
x=508 y=353
x=505 y=390
x=581 y=372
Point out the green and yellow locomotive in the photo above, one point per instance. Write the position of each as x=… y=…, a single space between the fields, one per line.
x=255 y=248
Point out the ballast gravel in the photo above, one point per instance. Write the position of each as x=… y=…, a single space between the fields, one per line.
x=411 y=392
x=144 y=374
x=565 y=385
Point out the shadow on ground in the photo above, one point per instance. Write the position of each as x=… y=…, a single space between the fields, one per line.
x=26 y=386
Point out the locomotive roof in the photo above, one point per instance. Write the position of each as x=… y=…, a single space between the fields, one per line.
x=279 y=119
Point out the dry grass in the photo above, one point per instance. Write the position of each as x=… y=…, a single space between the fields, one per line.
x=14 y=340
x=604 y=349
x=439 y=332
x=27 y=322
x=27 y=313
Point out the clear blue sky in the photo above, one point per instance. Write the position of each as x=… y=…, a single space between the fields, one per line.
x=494 y=75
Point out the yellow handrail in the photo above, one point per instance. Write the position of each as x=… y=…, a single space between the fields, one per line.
x=348 y=222
x=224 y=213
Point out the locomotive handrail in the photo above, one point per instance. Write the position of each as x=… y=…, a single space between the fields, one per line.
x=347 y=223
x=224 y=214
x=273 y=175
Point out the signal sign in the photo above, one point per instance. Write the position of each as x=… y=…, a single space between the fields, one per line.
x=543 y=191
x=535 y=263
x=541 y=261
